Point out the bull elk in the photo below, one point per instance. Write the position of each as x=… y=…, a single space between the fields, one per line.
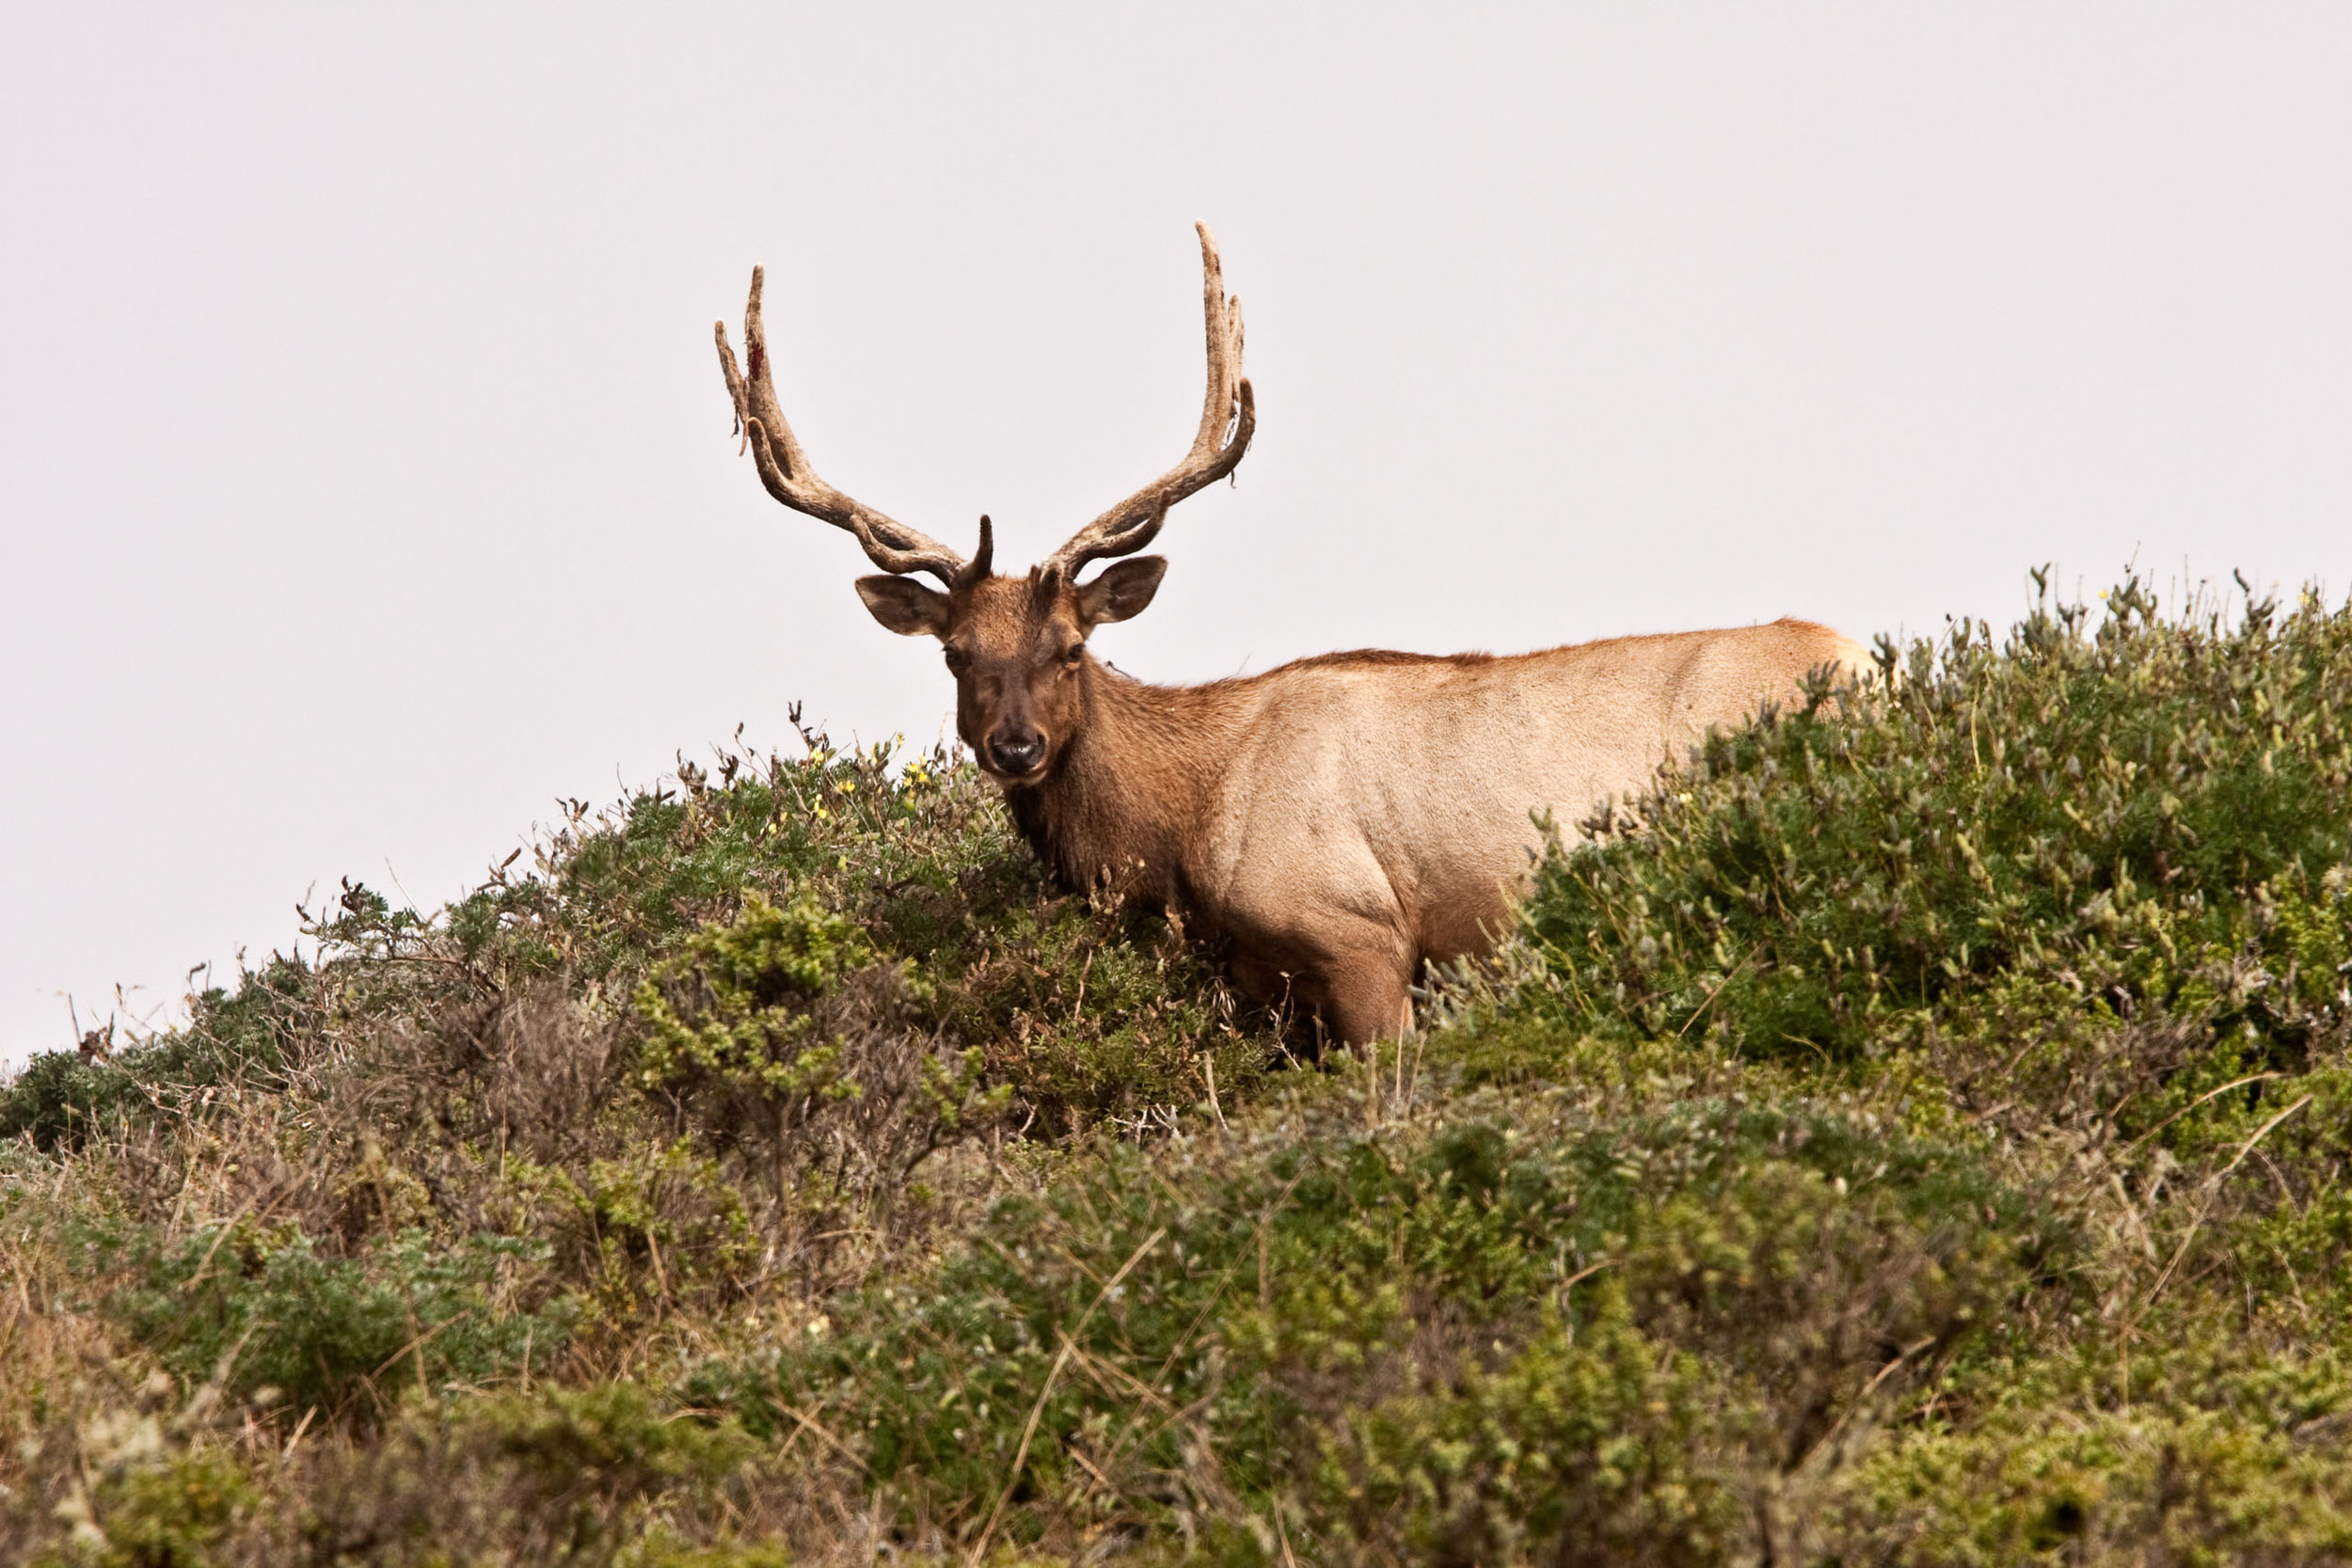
x=1340 y=820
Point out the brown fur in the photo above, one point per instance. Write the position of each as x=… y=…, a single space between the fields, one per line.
x=1345 y=818
x=1342 y=819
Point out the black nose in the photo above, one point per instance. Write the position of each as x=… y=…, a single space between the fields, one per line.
x=1016 y=751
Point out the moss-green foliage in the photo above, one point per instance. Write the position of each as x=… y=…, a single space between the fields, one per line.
x=256 y=1310
x=1522 y=1321
x=170 y=1515
x=751 y=1021
x=706 y=1058
x=905 y=889
x=586 y=1475
x=611 y=1220
x=2064 y=834
x=1918 y=1136
x=61 y=1098
x=2169 y=1483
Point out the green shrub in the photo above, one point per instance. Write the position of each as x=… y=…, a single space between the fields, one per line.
x=655 y=1227
x=177 y=1515
x=2232 y=1474
x=1923 y=1141
x=2080 y=830
x=269 y=1309
x=785 y=1034
x=60 y=1097
x=557 y=1475
x=1509 y=1329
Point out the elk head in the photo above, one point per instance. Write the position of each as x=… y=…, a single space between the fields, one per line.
x=1017 y=646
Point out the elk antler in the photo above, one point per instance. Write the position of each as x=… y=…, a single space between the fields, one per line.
x=1229 y=407
x=785 y=469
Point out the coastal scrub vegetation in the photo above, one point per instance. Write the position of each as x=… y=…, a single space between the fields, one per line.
x=1914 y=1135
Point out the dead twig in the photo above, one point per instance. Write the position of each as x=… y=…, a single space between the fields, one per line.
x=1020 y=1454
x=2214 y=1191
x=2237 y=1084
x=1864 y=1398
x=810 y=1424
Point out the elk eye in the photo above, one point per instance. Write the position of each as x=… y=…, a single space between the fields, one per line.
x=1071 y=655
x=958 y=661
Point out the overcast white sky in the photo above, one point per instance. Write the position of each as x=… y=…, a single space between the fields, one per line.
x=365 y=477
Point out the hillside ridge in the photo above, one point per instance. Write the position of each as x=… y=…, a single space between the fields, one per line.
x=1916 y=1133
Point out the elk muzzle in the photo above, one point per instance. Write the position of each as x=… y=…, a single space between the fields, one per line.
x=1015 y=750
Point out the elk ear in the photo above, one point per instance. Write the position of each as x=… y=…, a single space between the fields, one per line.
x=903 y=604
x=1122 y=592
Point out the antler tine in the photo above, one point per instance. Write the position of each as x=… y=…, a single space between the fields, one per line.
x=1229 y=416
x=789 y=476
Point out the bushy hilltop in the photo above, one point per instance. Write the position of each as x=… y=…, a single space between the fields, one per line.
x=1917 y=1136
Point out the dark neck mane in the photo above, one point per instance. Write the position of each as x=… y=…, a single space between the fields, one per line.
x=1131 y=790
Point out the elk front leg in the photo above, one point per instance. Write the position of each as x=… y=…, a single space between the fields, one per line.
x=1368 y=996
x=1363 y=990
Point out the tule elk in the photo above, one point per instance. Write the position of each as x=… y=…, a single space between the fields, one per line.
x=1340 y=820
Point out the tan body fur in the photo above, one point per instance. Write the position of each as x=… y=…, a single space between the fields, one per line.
x=1345 y=818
